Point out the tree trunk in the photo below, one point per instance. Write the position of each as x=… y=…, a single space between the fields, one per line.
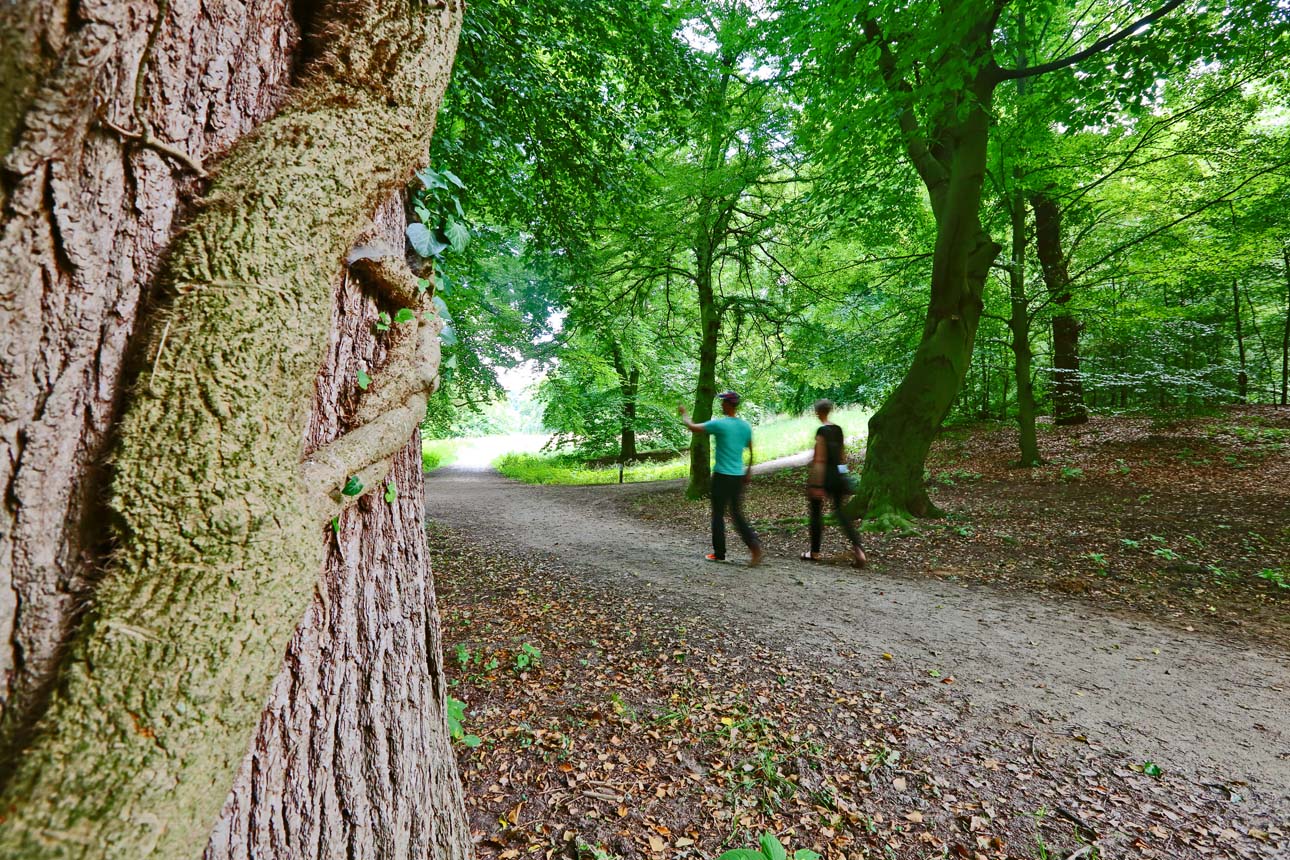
x=351 y=756
x=705 y=390
x=88 y=215
x=628 y=388
x=1285 y=335
x=1019 y=323
x=220 y=529
x=1242 y=377
x=902 y=430
x=1068 y=385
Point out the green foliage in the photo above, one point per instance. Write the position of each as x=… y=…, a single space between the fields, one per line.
x=456 y=724
x=391 y=492
x=353 y=486
x=768 y=848
x=528 y=657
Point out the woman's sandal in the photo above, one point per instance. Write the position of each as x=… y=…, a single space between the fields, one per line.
x=806 y=556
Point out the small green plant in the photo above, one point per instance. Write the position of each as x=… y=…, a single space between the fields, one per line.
x=1217 y=572
x=528 y=657
x=1165 y=552
x=456 y=718
x=1150 y=768
x=391 y=492
x=1121 y=468
x=1275 y=575
x=463 y=655
x=383 y=321
x=1097 y=558
x=768 y=848
x=1072 y=473
x=1130 y=543
x=363 y=379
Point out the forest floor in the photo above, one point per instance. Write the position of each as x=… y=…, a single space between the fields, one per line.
x=1028 y=679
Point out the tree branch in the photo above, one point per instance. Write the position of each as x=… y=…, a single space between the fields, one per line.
x=1095 y=48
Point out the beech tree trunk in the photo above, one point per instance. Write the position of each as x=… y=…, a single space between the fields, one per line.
x=219 y=530
x=1242 y=376
x=1019 y=324
x=705 y=389
x=1285 y=334
x=628 y=389
x=1068 y=385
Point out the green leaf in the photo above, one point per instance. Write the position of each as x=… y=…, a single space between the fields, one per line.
x=424 y=242
x=423 y=284
x=353 y=486
x=1150 y=768
x=405 y=315
x=382 y=321
x=391 y=492
x=805 y=854
x=452 y=178
x=771 y=847
x=742 y=854
x=458 y=234
x=448 y=337
x=364 y=380
x=335 y=525
x=471 y=741
x=431 y=180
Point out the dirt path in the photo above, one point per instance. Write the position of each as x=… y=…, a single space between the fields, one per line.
x=1187 y=701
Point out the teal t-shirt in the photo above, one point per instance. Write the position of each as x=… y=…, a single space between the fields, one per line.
x=732 y=436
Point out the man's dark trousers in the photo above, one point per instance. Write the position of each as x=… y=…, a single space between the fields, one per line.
x=728 y=491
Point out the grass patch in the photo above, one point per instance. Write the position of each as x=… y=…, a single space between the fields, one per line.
x=438 y=452
x=778 y=437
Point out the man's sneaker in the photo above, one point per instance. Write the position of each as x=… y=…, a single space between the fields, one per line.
x=712 y=556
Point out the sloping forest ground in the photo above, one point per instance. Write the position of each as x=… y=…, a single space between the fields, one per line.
x=1187 y=521
x=633 y=727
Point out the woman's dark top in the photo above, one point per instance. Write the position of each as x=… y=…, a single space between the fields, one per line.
x=833 y=436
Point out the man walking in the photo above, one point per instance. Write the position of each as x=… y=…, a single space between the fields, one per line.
x=729 y=476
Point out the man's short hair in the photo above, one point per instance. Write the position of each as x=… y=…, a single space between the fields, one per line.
x=731 y=397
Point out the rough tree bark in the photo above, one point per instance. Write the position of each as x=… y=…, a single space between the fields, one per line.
x=88 y=214
x=220 y=528
x=1068 y=385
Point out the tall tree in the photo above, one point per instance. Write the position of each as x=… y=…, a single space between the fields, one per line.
x=932 y=68
x=124 y=724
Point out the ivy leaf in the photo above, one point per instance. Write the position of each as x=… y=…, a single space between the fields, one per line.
x=423 y=284
x=1150 y=768
x=405 y=315
x=448 y=337
x=382 y=321
x=424 y=242
x=363 y=380
x=335 y=525
x=353 y=486
x=471 y=741
x=742 y=854
x=445 y=284
x=458 y=234
x=452 y=177
x=432 y=180
x=391 y=492
x=442 y=308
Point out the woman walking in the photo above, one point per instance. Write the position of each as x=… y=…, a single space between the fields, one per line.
x=828 y=478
